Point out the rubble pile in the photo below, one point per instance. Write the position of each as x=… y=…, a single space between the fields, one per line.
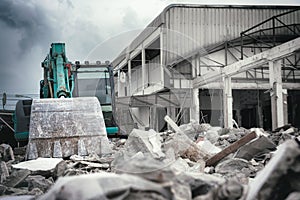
x=197 y=161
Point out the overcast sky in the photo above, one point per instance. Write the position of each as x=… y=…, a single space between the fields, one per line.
x=92 y=30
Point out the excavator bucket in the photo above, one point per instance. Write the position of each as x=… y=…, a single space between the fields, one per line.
x=63 y=127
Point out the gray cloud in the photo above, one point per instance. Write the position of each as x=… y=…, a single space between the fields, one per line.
x=24 y=26
x=92 y=30
x=30 y=21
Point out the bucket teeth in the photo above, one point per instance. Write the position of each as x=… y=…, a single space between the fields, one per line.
x=64 y=127
x=57 y=150
x=81 y=148
x=32 y=152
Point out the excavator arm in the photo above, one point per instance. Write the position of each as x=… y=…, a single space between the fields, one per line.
x=58 y=74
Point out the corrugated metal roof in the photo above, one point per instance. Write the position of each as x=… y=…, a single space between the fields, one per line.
x=205 y=24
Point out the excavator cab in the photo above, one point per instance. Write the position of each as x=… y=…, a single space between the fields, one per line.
x=97 y=80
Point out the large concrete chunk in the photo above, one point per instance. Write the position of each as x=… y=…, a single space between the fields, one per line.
x=281 y=175
x=103 y=186
x=63 y=127
x=258 y=147
x=42 y=166
x=145 y=142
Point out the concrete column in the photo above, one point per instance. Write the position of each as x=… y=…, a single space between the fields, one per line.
x=275 y=81
x=143 y=68
x=194 y=67
x=195 y=109
x=162 y=57
x=285 y=106
x=260 y=118
x=198 y=69
x=129 y=78
x=237 y=107
x=119 y=83
x=227 y=103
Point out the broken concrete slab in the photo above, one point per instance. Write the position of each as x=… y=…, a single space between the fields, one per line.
x=16 y=177
x=184 y=147
x=142 y=165
x=146 y=142
x=280 y=176
x=42 y=166
x=257 y=147
x=101 y=186
x=181 y=144
x=23 y=197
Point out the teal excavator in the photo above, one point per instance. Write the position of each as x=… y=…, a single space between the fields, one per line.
x=75 y=112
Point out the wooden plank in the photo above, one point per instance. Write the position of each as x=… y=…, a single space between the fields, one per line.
x=230 y=149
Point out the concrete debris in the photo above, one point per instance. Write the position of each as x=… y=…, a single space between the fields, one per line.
x=4 y=172
x=196 y=161
x=146 y=142
x=6 y=153
x=231 y=149
x=143 y=166
x=182 y=144
x=256 y=148
x=16 y=177
x=24 y=197
x=39 y=182
x=280 y=177
x=103 y=186
x=284 y=134
x=44 y=166
x=184 y=147
x=212 y=136
x=36 y=192
x=199 y=183
x=293 y=196
x=207 y=147
x=231 y=190
x=194 y=129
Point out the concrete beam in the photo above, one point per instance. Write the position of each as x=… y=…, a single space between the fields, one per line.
x=257 y=60
x=143 y=68
x=250 y=86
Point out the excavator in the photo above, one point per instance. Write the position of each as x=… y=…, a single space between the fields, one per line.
x=75 y=112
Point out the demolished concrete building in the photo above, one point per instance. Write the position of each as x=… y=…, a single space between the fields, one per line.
x=223 y=65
